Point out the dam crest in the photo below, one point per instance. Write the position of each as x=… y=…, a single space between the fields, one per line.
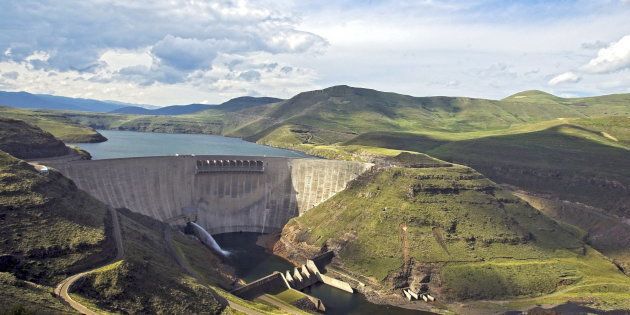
x=221 y=193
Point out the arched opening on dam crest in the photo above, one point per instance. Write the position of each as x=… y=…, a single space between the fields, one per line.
x=224 y=197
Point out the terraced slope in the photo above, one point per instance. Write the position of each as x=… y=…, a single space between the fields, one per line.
x=455 y=233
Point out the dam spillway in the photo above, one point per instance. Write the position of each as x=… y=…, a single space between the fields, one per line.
x=229 y=200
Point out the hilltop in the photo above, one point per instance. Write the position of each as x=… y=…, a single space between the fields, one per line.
x=45 y=101
x=234 y=104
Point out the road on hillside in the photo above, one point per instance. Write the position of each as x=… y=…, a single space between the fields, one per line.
x=62 y=288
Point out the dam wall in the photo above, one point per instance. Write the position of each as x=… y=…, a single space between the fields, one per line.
x=170 y=187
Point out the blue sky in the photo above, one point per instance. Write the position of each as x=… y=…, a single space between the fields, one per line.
x=183 y=51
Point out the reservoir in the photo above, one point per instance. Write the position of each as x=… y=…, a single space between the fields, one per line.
x=123 y=144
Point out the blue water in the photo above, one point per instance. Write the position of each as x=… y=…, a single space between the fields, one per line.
x=122 y=144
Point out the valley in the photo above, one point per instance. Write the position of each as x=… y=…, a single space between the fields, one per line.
x=487 y=205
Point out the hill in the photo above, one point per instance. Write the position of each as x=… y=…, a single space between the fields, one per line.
x=532 y=134
x=28 y=142
x=455 y=234
x=339 y=113
x=167 y=110
x=33 y=259
x=232 y=105
x=44 y=101
x=55 y=123
x=582 y=159
x=245 y=102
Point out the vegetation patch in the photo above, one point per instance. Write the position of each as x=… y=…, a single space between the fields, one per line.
x=56 y=123
x=74 y=235
x=28 y=142
x=149 y=279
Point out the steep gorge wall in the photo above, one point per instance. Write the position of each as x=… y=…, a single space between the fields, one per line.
x=167 y=187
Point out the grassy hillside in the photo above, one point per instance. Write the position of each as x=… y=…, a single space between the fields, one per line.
x=583 y=159
x=456 y=233
x=74 y=236
x=350 y=111
x=28 y=142
x=54 y=123
x=149 y=279
x=573 y=162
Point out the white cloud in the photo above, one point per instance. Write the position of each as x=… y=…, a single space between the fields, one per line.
x=613 y=58
x=567 y=77
x=183 y=51
x=182 y=35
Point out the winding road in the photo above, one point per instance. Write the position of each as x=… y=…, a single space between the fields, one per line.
x=62 y=288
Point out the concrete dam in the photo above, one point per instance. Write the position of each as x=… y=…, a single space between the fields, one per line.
x=221 y=193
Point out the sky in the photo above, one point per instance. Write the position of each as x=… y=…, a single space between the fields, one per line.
x=166 y=52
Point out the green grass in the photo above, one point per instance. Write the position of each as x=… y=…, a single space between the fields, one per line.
x=75 y=223
x=25 y=141
x=55 y=123
x=89 y=304
x=148 y=279
x=484 y=242
x=570 y=161
x=48 y=229
x=19 y=297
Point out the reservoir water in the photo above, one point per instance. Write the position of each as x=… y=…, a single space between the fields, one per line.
x=122 y=144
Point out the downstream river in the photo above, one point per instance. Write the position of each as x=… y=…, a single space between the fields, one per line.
x=252 y=262
x=249 y=260
x=122 y=144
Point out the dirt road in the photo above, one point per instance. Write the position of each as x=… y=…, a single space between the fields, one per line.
x=62 y=288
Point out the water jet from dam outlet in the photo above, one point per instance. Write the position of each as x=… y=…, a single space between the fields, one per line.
x=207 y=239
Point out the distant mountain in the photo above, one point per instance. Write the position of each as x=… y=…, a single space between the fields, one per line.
x=167 y=110
x=133 y=110
x=232 y=105
x=44 y=101
x=244 y=102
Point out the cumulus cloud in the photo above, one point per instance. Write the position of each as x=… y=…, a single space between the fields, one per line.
x=250 y=76
x=594 y=45
x=613 y=58
x=182 y=36
x=11 y=75
x=567 y=77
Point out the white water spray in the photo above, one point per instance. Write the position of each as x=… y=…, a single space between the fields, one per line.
x=207 y=239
